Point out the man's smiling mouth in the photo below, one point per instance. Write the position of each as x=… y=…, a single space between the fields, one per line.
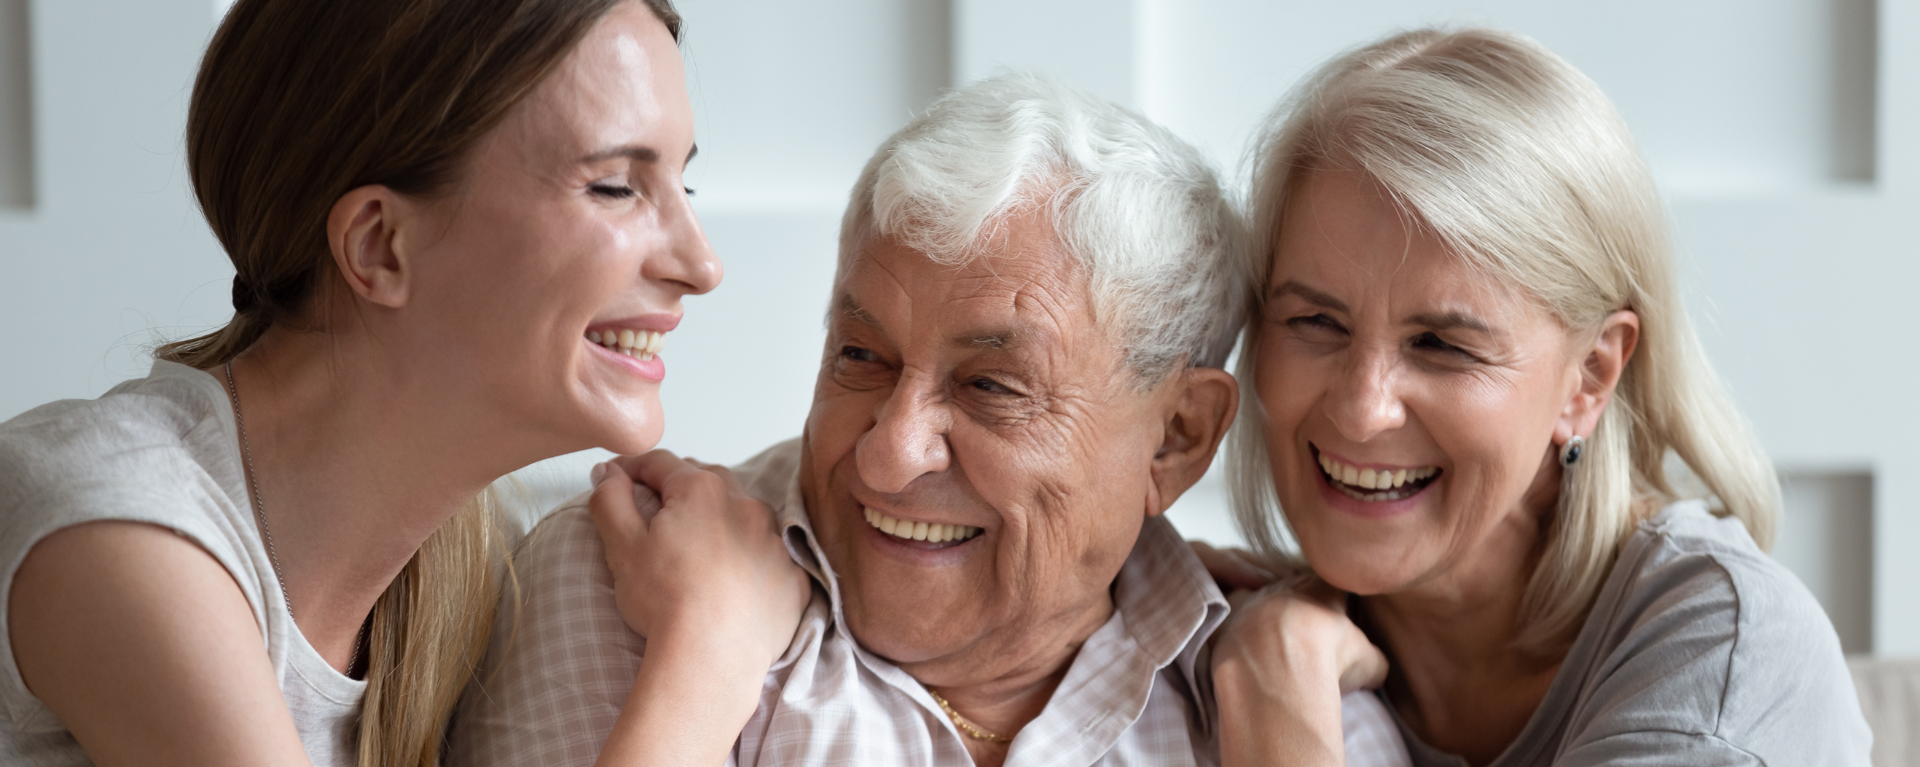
x=919 y=531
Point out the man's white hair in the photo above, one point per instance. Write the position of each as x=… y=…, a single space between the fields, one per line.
x=1140 y=211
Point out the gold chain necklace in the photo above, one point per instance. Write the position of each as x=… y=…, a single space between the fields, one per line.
x=961 y=722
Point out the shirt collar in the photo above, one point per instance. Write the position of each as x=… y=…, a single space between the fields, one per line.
x=1169 y=604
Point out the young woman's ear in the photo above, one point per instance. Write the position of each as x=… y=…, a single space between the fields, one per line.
x=366 y=232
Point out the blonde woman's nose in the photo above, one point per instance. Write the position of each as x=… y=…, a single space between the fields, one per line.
x=1365 y=401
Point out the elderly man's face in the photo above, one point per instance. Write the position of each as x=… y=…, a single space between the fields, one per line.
x=988 y=400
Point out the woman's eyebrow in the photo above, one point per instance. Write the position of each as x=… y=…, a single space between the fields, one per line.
x=1311 y=295
x=1451 y=321
x=636 y=152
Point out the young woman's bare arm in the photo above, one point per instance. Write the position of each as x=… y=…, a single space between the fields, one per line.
x=147 y=650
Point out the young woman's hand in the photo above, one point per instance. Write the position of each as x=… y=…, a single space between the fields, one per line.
x=704 y=575
x=709 y=567
x=1280 y=666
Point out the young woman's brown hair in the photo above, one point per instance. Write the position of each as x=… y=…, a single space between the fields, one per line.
x=297 y=103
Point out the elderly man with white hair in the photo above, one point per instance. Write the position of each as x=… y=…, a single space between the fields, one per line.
x=1036 y=293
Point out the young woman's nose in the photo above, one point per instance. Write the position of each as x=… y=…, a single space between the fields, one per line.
x=1365 y=401
x=908 y=438
x=690 y=263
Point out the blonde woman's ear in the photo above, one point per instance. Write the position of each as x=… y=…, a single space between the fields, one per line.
x=1601 y=367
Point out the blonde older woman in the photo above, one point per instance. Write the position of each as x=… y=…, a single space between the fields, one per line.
x=1471 y=368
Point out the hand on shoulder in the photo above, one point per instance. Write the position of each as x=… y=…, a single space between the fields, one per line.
x=1280 y=665
x=708 y=568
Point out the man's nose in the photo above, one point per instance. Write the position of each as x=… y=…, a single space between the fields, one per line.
x=1366 y=400
x=908 y=437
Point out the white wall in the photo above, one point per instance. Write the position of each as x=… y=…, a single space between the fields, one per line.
x=1784 y=131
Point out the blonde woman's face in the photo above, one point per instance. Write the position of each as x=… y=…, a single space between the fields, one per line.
x=1411 y=400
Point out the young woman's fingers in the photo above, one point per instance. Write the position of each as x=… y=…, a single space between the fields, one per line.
x=647 y=501
x=663 y=471
x=612 y=507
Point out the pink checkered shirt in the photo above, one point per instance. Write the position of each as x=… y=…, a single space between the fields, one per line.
x=1137 y=693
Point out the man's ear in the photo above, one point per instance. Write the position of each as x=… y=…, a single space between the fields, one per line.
x=1198 y=421
x=1601 y=366
x=364 y=232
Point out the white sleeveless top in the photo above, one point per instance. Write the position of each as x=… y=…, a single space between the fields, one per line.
x=161 y=450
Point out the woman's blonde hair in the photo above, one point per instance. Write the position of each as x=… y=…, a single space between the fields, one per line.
x=1522 y=166
x=298 y=102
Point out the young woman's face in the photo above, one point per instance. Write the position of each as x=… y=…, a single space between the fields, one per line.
x=1410 y=399
x=546 y=279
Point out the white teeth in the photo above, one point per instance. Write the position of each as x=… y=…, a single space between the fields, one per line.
x=641 y=344
x=919 y=531
x=1355 y=479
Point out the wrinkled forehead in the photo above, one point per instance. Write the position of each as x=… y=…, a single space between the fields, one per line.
x=1019 y=291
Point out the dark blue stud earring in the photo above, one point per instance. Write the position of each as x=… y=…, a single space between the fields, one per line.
x=1570 y=454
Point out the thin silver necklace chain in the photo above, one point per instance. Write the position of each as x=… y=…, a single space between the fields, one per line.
x=253 y=489
x=260 y=513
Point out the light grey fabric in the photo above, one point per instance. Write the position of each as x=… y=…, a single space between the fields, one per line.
x=1890 y=697
x=1700 y=650
x=161 y=450
x=559 y=670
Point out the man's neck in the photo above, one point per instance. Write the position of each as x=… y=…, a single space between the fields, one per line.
x=1014 y=692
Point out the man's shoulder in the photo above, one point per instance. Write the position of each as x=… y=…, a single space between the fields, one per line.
x=769 y=475
x=566 y=534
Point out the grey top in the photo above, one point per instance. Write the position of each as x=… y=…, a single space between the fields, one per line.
x=160 y=450
x=1700 y=650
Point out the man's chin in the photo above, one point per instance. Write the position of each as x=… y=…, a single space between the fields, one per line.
x=906 y=642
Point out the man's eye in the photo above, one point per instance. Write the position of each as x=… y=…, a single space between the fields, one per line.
x=990 y=386
x=611 y=191
x=858 y=354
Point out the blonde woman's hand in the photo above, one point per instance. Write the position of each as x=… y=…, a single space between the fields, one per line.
x=707 y=569
x=1280 y=666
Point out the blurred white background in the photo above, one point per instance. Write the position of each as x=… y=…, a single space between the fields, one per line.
x=1786 y=134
